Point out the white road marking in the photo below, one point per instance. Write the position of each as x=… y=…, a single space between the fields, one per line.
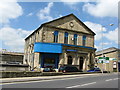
x=115 y=78
x=112 y=79
x=109 y=80
x=81 y=85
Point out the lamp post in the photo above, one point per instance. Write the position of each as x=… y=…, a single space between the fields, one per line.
x=102 y=46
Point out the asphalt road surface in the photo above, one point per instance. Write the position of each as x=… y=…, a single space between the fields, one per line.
x=94 y=81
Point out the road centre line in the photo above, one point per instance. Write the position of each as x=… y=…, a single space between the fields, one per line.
x=81 y=85
x=115 y=78
x=112 y=79
x=109 y=80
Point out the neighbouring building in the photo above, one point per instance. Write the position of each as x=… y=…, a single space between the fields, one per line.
x=63 y=41
x=113 y=64
x=12 y=61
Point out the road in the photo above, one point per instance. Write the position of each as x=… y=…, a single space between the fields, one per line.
x=94 y=81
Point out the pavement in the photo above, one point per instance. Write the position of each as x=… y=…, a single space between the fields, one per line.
x=66 y=81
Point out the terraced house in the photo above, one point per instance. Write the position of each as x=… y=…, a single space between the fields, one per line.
x=63 y=41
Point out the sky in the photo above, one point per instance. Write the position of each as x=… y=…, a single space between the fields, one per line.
x=20 y=19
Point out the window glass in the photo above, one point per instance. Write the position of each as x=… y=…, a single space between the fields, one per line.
x=84 y=40
x=75 y=39
x=66 y=38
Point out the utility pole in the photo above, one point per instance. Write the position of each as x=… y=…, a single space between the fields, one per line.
x=102 y=47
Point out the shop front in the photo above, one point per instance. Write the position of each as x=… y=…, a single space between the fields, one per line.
x=54 y=55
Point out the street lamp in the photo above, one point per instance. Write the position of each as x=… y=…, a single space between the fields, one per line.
x=102 y=45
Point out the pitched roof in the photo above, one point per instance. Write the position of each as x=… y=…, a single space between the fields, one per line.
x=108 y=50
x=59 y=19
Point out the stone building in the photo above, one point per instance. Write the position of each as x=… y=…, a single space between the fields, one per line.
x=63 y=41
x=114 y=59
x=12 y=61
x=7 y=57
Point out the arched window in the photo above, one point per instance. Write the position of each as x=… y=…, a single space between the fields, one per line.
x=69 y=60
x=84 y=40
x=66 y=38
x=55 y=36
x=75 y=39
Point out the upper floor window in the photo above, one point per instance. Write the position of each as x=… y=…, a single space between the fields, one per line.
x=75 y=39
x=55 y=36
x=66 y=38
x=84 y=40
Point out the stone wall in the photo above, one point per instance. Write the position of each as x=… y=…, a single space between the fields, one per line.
x=11 y=57
x=49 y=37
x=13 y=67
x=13 y=74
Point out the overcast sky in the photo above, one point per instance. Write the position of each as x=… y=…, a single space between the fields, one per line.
x=19 y=19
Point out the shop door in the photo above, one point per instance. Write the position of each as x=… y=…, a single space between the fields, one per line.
x=81 y=63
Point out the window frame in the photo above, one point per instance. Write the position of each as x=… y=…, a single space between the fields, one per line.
x=75 y=39
x=66 y=37
x=84 y=40
x=55 y=36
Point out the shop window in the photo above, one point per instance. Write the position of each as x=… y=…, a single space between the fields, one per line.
x=55 y=36
x=66 y=38
x=84 y=40
x=75 y=39
x=70 y=60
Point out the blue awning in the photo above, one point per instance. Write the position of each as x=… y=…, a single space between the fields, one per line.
x=54 y=47
x=48 y=47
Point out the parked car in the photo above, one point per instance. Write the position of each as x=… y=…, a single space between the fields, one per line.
x=94 y=70
x=48 y=70
x=68 y=69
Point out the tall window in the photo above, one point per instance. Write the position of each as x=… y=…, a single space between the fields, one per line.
x=66 y=38
x=69 y=60
x=84 y=40
x=55 y=36
x=75 y=39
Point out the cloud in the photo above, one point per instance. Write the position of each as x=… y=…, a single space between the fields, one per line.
x=97 y=8
x=70 y=2
x=74 y=2
x=97 y=28
x=44 y=14
x=102 y=8
x=30 y=14
x=13 y=38
x=112 y=35
x=9 y=10
x=106 y=43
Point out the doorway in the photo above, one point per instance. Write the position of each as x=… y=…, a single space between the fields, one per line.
x=81 y=63
x=49 y=60
x=70 y=60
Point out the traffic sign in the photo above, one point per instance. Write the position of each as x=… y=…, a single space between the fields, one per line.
x=103 y=60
